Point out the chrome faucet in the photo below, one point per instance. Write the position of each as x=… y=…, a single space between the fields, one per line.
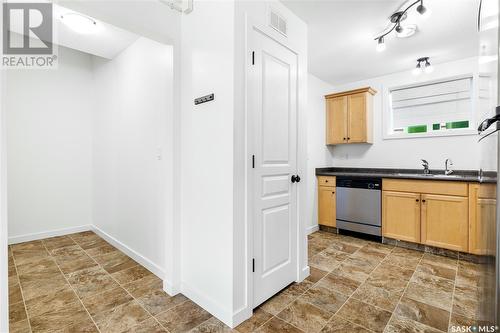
x=425 y=164
x=447 y=167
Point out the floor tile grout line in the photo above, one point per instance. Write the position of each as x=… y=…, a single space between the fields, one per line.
x=453 y=293
x=404 y=291
x=386 y=255
x=288 y=304
x=348 y=297
x=71 y=286
x=22 y=292
x=135 y=299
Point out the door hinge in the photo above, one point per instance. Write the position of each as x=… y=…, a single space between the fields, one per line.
x=253 y=161
x=253 y=57
x=253 y=265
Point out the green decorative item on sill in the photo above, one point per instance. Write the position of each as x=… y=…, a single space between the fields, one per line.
x=417 y=129
x=451 y=125
x=457 y=124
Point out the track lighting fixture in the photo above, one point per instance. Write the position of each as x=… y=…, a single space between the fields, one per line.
x=423 y=65
x=396 y=20
x=380 y=44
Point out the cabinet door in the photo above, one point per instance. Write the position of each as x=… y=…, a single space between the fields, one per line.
x=401 y=216
x=445 y=221
x=357 y=131
x=326 y=206
x=336 y=120
x=482 y=218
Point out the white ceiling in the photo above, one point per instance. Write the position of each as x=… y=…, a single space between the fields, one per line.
x=341 y=33
x=107 y=41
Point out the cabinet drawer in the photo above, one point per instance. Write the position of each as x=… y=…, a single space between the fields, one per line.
x=426 y=186
x=487 y=191
x=326 y=180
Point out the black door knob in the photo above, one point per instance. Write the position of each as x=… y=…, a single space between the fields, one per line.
x=295 y=179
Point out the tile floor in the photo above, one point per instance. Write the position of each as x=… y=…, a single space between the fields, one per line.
x=80 y=283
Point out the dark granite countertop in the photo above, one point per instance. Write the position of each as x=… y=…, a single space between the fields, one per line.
x=457 y=175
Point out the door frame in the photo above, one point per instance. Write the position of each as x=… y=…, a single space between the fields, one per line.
x=301 y=206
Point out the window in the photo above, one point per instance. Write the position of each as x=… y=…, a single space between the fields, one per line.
x=431 y=109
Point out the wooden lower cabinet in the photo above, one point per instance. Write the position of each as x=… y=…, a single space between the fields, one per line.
x=327 y=206
x=445 y=221
x=482 y=214
x=401 y=216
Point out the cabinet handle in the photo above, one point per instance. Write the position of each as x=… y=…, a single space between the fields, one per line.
x=417 y=200
x=333 y=192
x=344 y=139
x=423 y=200
x=348 y=138
x=326 y=181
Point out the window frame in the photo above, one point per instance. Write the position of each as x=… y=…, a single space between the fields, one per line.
x=387 y=109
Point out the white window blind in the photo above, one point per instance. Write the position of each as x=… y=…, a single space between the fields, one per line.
x=432 y=107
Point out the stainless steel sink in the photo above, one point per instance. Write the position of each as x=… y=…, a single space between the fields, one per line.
x=430 y=175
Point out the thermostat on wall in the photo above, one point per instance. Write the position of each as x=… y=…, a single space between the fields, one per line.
x=204 y=99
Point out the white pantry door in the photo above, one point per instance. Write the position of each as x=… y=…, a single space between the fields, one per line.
x=272 y=118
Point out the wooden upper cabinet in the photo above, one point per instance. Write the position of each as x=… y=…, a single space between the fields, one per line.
x=401 y=216
x=349 y=117
x=336 y=119
x=445 y=221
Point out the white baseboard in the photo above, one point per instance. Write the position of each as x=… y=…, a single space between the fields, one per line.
x=242 y=315
x=170 y=289
x=48 y=234
x=208 y=304
x=312 y=229
x=304 y=273
x=151 y=266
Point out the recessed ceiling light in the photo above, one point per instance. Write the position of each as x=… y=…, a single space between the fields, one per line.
x=79 y=23
x=407 y=31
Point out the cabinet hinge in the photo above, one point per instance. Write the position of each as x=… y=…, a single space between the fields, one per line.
x=253 y=265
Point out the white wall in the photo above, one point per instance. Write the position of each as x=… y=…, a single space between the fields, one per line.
x=318 y=153
x=406 y=153
x=49 y=116
x=163 y=24
x=132 y=152
x=207 y=53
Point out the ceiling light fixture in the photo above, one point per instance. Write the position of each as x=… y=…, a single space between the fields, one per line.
x=79 y=23
x=423 y=65
x=407 y=31
x=398 y=17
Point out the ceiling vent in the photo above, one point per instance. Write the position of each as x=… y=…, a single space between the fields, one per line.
x=277 y=22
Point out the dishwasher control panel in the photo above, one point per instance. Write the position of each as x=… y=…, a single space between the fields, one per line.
x=366 y=183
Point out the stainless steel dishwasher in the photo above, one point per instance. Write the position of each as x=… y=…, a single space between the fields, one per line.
x=359 y=205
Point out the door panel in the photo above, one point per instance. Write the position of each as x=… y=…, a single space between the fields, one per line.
x=276 y=233
x=336 y=120
x=326 y=206
x=357 y=118
x=272 y=137
x=445 y=221
x=401 y=216
x=276 y=110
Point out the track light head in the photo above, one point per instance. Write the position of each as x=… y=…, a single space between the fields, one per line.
x=380 y=44
x=421 y=9
x=399 y=28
